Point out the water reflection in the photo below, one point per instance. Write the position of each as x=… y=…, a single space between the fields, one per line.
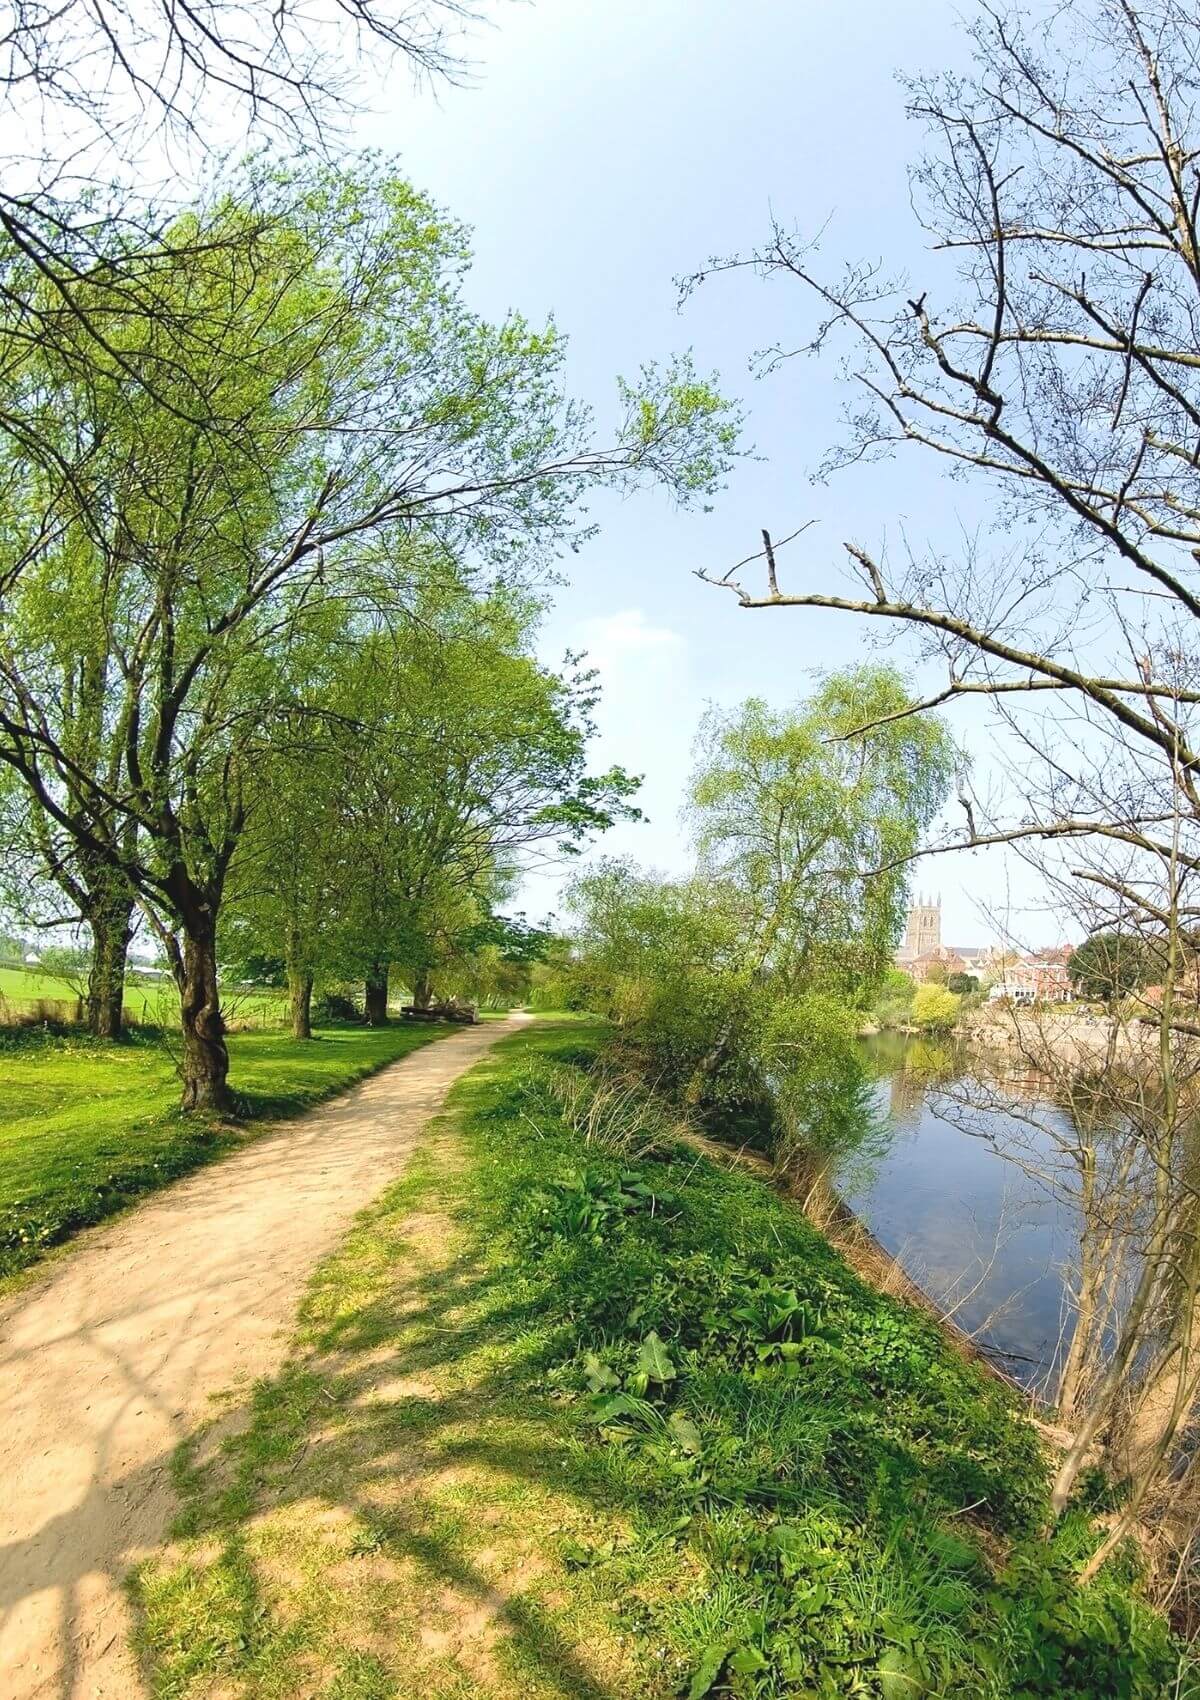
x=973 y=1200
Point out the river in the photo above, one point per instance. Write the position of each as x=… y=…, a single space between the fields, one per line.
x=972 y=1198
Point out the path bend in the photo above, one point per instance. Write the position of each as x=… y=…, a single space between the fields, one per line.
x=112 y=1357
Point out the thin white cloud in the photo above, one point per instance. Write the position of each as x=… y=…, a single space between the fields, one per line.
x=611 y=640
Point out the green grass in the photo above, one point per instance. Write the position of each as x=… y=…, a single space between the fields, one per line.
x=147 y=1002
x=85 y=1126
x=567 y=1421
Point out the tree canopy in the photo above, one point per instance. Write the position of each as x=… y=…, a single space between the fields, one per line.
x=319 y=427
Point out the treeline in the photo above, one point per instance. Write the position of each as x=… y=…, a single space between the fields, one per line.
x=742 y=987
x=277 y=510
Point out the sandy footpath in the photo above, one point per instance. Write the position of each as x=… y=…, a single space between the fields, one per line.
x=110 y=1359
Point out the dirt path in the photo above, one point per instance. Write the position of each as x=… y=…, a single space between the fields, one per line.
x=109 y=1361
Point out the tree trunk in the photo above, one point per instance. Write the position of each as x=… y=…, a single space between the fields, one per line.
x=1087 y=1342
x=111 y=929
x=205 y=1056
x=377 y=995
x=422 y=989
x=301 y=986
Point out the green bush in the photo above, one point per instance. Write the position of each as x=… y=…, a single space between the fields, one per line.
x=934 y=1008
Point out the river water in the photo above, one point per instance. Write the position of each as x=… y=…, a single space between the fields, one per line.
x=973 y=1198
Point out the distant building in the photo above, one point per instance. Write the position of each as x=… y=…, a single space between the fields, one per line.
x=1041 y=977
x=923 y=934
x=923 y=949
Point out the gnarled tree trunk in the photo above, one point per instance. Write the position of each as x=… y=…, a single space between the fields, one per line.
x=422 y=989
x=301 y=988
x=111 y=927
x=205 y=1054
x=377 y=995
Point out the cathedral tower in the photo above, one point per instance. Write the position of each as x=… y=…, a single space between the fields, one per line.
x=924 y=930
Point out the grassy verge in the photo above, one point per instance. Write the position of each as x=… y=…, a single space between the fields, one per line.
x=85 y=1127
x=566 y=1419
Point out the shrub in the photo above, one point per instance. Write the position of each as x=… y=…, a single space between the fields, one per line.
x=935 y=1008
x=334 y=1006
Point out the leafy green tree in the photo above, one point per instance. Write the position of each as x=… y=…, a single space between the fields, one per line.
x=494 y=960
x=935 y=1008
x=159 y=576
x=473 y=758
x=813 y=823
x=893 y=1005
x=1109 y=965
x=667 y=961
x=740 y=985
x=962 y=984
x=438 y=754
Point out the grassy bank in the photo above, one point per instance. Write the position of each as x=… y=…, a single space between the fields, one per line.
x=567 y=1417
x=85 y=1126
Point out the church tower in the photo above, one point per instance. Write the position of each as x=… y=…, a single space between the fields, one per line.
x=924 y=930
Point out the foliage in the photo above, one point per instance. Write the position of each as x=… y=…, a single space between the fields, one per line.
x=183 y=558
x=738 y=987
x=893 y=1007
x=934 y=1007
x=1108 y=965
x=811 y=1443
x=962 y=984
x=810 y=820
x=432 y=755
x=557 y=982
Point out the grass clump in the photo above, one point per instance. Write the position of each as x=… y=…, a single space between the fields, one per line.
x=588 y=1419
x=88 y=1126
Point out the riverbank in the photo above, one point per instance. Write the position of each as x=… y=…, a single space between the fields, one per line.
x=851 y=1238
x=580 y=1411
x=1048 y=1038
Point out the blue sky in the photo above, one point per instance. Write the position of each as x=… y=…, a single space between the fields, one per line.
x=601 y=150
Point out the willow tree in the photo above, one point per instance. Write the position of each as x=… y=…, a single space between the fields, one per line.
x=738 y=984
x=812 y=815
x=155 y=575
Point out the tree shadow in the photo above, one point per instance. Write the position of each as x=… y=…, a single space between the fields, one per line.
x=332 y=1428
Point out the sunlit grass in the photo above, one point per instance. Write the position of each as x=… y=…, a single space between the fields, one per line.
x=86 y=1126
x=148 y=1002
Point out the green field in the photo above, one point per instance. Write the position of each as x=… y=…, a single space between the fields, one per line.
x=149 y=1003
x=85 y=1127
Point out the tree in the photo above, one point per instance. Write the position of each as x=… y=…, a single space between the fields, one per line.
x=796 y=812
x=1050 y=358
x=962 y=984
x=53 y=887
x=90 y=85
x=437 y=754
x=159 y=579
x=740 y=985
x=1110 y=965
x=935 y=1007
x=473 y=758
